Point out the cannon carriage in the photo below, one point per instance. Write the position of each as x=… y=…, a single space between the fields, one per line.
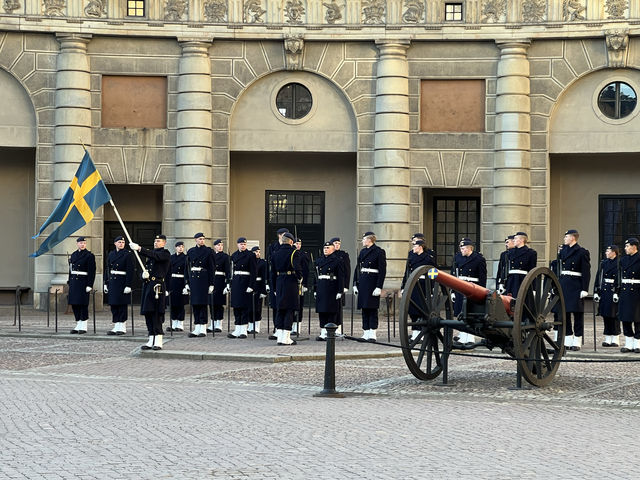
x=520 y=327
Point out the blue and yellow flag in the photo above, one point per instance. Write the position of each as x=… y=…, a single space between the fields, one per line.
x=77 y=206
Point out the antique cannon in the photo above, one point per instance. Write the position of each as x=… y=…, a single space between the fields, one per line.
x=521 y=326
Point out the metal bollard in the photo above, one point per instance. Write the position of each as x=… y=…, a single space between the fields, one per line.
x=329 y=389
x=18 y=309
x=388 y=301
x=94 y=310
x=56 y=309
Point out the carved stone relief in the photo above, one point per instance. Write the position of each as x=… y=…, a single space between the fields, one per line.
x=253 y=11
x=494 y=11
x=215 y=11
x=11 y=5
x=533 y=10
x=414 y=12
x=572 y=10
x=96 y=8
x=616 y=8
x=174 y=10
x=293 y=48
x=54 y=8
x=294 y=11
x=334 y=12
x=373 y=11
x=617 y=43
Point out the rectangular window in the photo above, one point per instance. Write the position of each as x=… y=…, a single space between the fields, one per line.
x=135 y=8
x=454 y=218
x=453 y=12
x=452 y=105
x=619 y=219
x=134 y=102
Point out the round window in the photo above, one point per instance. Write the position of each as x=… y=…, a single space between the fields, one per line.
x=294 y=101
x=617 y=100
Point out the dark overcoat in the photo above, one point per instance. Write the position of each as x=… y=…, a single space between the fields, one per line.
x=243 y=262
x=326 y=289
x=221 y=277
x=177 y=279
x=473 y=266
x=158 y=264
x=605 y=286
x=414 y=261
x=117 y=275
x=524 y=259
x=286 y=275
x=629 y=303
x=374 y=258
x=84 y=262
x=200 y=273
x=577 y=260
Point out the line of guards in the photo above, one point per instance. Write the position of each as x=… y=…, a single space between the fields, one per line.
x=204 y=276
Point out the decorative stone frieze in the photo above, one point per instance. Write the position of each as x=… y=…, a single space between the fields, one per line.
x=373 y=11
x=414 y=11
x=334 y=12
x=215 y=11
x=617 y=43
x=494 y=11
x=572 y=10
x=294 y=11
x=96 y=8
x=175 y=10
x=616 y=8
x=293 y=48
x=533 y=10
x=253 y=11
x=10 y=6
x=54 y=8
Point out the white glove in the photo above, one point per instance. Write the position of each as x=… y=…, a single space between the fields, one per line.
x=88 y=289
x=501 y=289
x=583 y=294
x=126 y=290
x=185 y=291
x=338 y=296
x=304 y=289
x=249 y=289
x=315 y=295
x=134 y=246
x=615 y=298
x=345 y=290
x=355 y=290
x=262 y=295
x=105 y=289
x=376 y=292
x=453 y=297
x=268 y=288
x=596 y=297
x=187 y=288
x=210 y=291
x=166 y=294
x=145 y=275
x=226 y=290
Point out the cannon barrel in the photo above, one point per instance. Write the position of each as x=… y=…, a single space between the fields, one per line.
x=470 y=290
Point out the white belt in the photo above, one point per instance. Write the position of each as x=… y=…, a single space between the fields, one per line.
x=219 y=273
x=630 y=280
x=520 y=272
x=569 y=272
x=369 y=270
x=76 y=272
x=117 y=272
x=469 y=279
x=177 y=275
x=326 y=277
x=422 y=277
x=609 y=280
x=258 y=279
x=196 y=269
x=241 y=272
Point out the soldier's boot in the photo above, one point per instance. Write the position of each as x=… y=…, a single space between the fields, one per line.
x=179 y=326
x=251 y=327
x=577 y=344
x=122 y=329
x=339 y=330
x=615 y=339
x=470 y=339
x=210 y=326
x=636 y=345
x=323 y=335
x=114 y=330
x=553 y=334
x=203 y=330
x=279 y=336
x=235 y=333
x=607 y=341
x=414 y=334
x=568 y=341
x=256 y=326
x=195 y=332
x=82 y=328
x=75 y=329
x=217 y=326
x=172 y=328
x=243 y=331
x=157 y=342
x=286 y=338
x=628 y=345
x=149 y=344
x=372 y=336
x=294 y=328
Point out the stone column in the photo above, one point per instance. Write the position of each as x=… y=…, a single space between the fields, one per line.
x=72 y=129
x=391 y=177
x=512 y=181
x=193 y=190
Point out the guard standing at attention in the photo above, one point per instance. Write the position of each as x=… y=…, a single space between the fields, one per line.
x=243 y=283
x=346 y=261
x=287 y=277
x=329 y=288
x=176 y=285
x=305 y=260
x=82 y=274
x=470 y=266
x=153 y=289
x=575 y=273
x=629 y=296
x=606 y=284
x=221 y=282
x=271 y=287
x=368 y=280
x=520 y=260
x=117 y=278
x=420 y=256
x=199 y=283
x=260 y=293
x=503 y=265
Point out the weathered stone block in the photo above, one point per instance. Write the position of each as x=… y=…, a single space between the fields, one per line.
x=561 y=72
x=545 y=49
x=255 y=57
x=242 y=72
x=576 y=57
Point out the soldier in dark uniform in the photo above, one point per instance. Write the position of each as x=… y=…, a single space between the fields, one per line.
x=243 y=284
x=221 y=282
x=271 y=288
x=153 y=289
x=420 y=255
x=305 y=260
x=629 y=296
x=176 y=285
x=520 y=260
x=82 y=274
x=329 y=288
x=117 y=278
x=199 y=283
x=346 y=261
x=605 y=286
x=260 y=293
x=470 y=266
x=503 y=265
x=575 y=273
x=368 y=280
x=286 y=276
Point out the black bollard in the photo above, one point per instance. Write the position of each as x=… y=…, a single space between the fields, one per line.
x=56 y=309
x=94 y=310
x=18 y=309
x=329 y=389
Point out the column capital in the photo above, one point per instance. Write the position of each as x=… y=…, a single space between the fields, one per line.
x=513 y=46
x=69 y=41
x=193 y=45
x=397 y=46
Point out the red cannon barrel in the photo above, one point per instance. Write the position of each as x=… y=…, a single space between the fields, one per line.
x=470 y=290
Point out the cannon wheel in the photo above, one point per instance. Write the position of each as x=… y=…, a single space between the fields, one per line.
x=429 y=299
x=533 y=321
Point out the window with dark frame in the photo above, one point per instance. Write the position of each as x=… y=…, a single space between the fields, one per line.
x=294 y=101
x=617 y=100
x=454 y=218
x=453 y=12
x=619 y=220
x=135 y=8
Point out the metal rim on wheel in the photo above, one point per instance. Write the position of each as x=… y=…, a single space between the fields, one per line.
x=427 y=299
x=537 y=353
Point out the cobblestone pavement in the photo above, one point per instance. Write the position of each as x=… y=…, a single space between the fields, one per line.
x=86 y=408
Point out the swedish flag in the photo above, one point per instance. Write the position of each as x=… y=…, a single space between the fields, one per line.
x=77 y=206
